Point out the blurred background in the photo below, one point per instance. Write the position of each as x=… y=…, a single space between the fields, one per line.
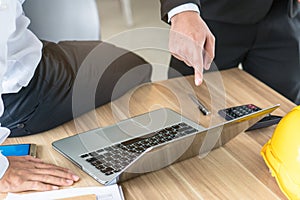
x=131 y=24
x=144 y=13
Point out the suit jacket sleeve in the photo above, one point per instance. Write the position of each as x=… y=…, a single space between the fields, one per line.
x=167 y=5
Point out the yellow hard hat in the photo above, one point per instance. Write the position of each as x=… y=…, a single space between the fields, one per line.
x=282 y=154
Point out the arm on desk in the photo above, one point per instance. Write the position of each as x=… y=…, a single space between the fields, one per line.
x=28 y=173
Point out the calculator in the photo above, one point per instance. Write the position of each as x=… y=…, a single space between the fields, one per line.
x=241 y=110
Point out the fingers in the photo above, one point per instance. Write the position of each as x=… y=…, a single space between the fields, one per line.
x=194 y=54
x=32 y=186
x=186 y=61
x=50 y=176
x=53 y=174
x=27 y=173
x=57 y=172
x=192 y=42
x=198 y=75
x=36 y=163
x=24 y=180
x=37 y=186
x=198 y=70
x=42 y=165
x=209 y=52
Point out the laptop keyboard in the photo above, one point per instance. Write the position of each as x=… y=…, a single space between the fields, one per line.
x=113 y=159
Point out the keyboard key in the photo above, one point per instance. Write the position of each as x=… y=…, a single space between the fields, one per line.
x=93 y=154
x=84 y=155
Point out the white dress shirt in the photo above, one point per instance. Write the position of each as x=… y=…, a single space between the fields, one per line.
x=20 y=53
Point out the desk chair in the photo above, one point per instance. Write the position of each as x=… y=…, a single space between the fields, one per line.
x=56 y=20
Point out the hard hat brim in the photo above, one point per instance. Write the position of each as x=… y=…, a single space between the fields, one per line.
x=278 y=170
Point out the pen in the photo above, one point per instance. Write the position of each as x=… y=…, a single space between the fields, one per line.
x=201 y=107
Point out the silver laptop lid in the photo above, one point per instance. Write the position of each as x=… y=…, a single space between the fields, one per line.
x=200 y=141
x=196 y=144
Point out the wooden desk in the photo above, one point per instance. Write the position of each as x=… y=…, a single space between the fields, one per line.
x=234 y=171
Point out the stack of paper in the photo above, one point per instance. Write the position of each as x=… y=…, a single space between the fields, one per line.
x=113 y=192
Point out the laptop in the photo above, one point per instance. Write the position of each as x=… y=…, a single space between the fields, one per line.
x=148 y=142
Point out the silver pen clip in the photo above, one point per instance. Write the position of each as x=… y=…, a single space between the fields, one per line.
x=201 y=107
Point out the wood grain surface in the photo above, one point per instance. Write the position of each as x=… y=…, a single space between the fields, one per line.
x=234 y=171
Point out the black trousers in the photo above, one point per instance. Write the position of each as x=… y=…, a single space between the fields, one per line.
x=269 y=50
x=72 y=78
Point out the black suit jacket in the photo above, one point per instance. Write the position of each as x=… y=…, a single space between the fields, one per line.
x=231 y=11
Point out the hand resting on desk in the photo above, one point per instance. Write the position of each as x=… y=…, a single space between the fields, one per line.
x=26 y=173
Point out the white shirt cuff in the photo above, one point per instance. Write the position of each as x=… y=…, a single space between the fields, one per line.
x=3 y=165
x=182 y=8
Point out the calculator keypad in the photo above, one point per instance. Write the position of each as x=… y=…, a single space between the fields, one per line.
x=238 y=111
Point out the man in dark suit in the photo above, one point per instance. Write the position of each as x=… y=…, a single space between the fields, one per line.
x=262 y=35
